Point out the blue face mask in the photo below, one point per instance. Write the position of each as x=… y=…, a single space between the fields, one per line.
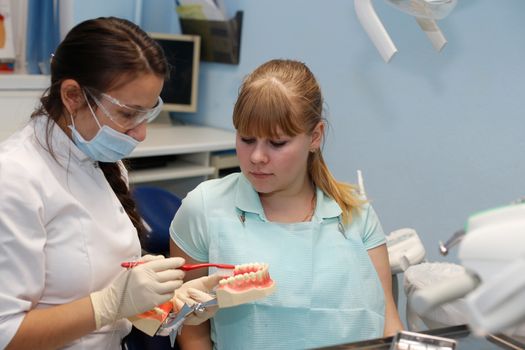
x=108 y=145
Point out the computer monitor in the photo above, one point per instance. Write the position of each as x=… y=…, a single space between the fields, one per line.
x=183 y=53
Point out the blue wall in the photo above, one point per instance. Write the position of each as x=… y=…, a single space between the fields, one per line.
x=437 y=135
x=83 y=10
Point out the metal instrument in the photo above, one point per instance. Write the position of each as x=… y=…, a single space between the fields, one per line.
x=172 y=326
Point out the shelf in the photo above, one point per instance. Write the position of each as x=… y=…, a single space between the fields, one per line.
x=167 y=140
x=173 y=171
x=222 y=161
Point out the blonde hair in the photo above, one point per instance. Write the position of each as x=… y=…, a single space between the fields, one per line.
x=284 y=96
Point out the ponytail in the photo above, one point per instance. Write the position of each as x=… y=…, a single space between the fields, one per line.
x=345 y=195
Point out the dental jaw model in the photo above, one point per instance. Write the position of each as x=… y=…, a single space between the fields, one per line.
x=249 y=282
x=150 y=321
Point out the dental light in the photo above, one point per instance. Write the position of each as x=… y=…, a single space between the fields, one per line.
x=426 y=12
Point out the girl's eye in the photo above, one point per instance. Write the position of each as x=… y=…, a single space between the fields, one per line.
x=278 y=143
x=247 y=140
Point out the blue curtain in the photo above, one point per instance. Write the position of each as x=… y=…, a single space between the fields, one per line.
x=43 y=34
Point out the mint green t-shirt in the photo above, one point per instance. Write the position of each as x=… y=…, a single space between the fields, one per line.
x=328 y=291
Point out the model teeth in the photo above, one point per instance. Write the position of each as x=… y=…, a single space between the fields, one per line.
x=249 y=282
x=246 y=274
x=251 y=267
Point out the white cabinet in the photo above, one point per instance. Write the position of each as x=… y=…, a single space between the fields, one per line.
x=19 y=95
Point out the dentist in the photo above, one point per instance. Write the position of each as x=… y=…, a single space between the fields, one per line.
x=67 y=219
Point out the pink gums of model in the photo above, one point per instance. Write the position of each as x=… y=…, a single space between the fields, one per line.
x=249 y=282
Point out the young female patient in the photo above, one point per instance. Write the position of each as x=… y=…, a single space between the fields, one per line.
x=324 y=245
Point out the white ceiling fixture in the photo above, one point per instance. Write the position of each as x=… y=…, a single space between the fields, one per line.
x=426 y=12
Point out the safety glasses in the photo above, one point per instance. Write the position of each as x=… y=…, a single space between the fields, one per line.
x=121 y=114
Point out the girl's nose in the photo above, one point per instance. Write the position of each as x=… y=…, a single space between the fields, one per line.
x=259 y=155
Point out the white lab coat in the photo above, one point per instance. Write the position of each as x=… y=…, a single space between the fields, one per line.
x=63 y=231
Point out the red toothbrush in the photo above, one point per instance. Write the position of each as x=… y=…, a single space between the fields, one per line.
x=186 y=267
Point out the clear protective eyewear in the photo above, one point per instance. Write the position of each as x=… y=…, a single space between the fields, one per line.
x=124 y=116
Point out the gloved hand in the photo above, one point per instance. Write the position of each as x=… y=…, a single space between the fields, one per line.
x=138 y=289
x=196 y=291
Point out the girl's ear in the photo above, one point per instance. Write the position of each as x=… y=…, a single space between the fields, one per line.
x=317 y=136
x=72 y=96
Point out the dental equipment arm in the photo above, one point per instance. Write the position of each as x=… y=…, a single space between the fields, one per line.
x=424 y=11
x=403 y=245
x=434 y=34
x=499 y=303
x=373 y=26
x=492 y=250
x=404 y=249
x=444 y=248
x=425 y=300
x=361 y=184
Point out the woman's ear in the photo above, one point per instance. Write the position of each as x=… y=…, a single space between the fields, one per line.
x=317 y=136
x=72 y=96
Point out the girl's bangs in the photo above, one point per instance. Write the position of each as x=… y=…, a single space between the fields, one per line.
x=266 y=111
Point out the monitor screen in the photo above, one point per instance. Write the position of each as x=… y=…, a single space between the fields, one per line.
x=183 y=53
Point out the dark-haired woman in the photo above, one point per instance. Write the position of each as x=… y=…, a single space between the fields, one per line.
x=67 y=220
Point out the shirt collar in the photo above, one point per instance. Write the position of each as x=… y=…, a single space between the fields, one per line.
x=247 y=200
x=326 y=207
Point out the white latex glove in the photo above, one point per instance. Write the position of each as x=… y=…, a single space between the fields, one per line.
x=138 y=289
x=196 y=291
x=149 y=257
